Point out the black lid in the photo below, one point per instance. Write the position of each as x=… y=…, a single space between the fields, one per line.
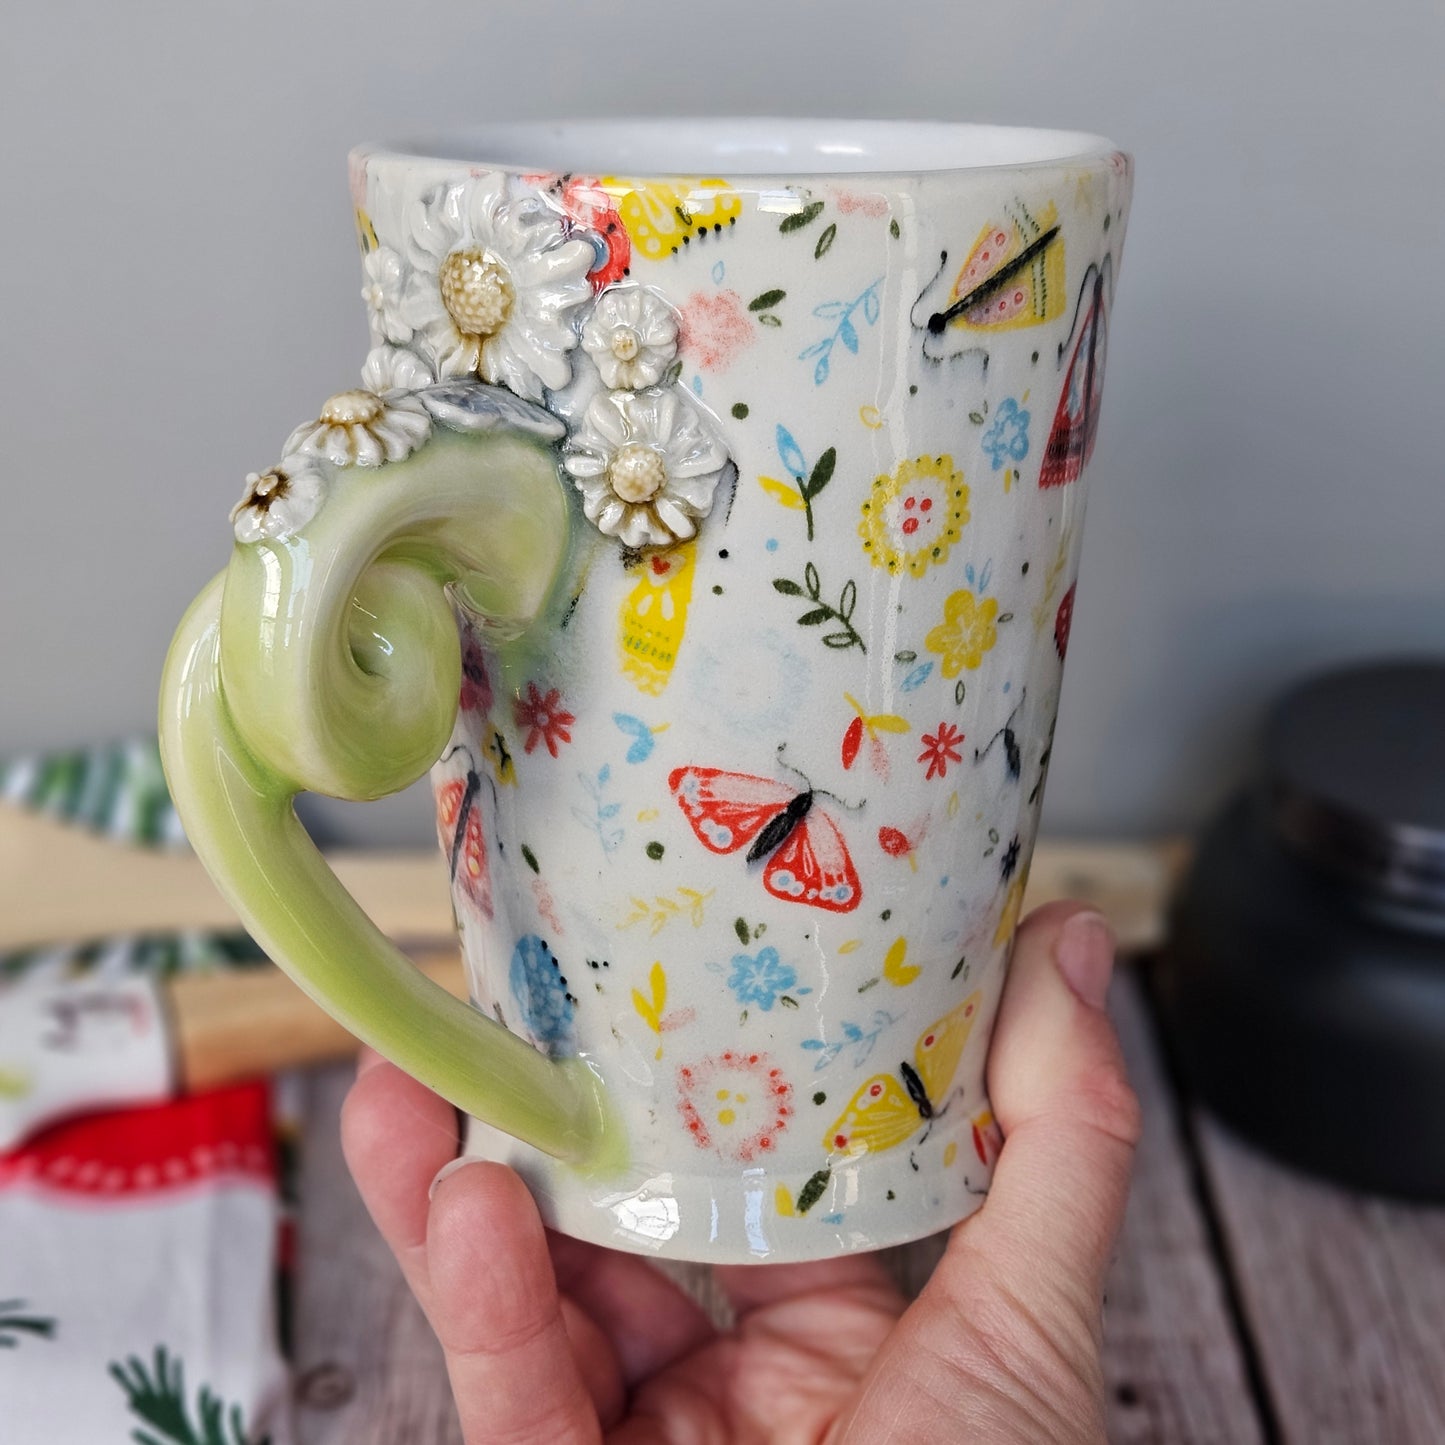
x=1355 y=766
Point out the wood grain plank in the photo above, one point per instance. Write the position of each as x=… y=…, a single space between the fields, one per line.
x=368 y=1369
x=1345 y=1297
x=1173 y=1364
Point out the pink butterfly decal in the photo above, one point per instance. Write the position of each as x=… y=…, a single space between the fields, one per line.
x=1076 y=422
x=807 y=859
x=459 y=830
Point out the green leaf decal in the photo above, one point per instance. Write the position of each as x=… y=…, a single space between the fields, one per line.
x=798 y=219
x=812 y=1191
x=821 y=474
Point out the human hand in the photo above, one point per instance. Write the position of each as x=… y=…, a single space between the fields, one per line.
x=550 y=1339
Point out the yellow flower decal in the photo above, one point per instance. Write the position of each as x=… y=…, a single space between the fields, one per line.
x=913 y=517
x=967 y=631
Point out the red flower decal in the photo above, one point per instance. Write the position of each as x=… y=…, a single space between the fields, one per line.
x=589 y=205
x=544 y=718
x=940 y=749
x=1063 y=623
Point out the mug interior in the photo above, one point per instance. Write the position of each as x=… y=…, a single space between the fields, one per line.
x=755 y=146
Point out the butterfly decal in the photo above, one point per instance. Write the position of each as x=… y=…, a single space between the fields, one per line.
x=662 y=217
x=459 y=831
x=888 y=1110
x=1013 y=276
x=807 y=859
x=1076 y=422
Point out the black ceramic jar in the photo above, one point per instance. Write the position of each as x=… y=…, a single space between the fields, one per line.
x=1303 y=988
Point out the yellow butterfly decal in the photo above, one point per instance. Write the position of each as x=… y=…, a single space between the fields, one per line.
x=661 y=217
x=1013 y=276
x=889 y=1110
x=1027 y=253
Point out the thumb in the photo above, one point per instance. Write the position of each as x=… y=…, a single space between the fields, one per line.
x=1069 y=1118
x=1003 y=1344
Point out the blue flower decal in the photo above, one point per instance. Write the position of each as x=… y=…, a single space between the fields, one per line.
x=548 y=1010
x=1008 y=437
x=759 y=980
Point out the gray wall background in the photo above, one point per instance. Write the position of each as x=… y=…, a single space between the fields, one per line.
x=178 y=284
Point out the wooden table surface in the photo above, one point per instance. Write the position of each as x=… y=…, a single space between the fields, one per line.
x=1247 y=1303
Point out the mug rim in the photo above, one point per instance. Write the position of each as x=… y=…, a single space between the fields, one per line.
x=750 y=147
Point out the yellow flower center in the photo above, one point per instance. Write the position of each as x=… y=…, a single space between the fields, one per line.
x=626 y=343
x=352 y=408
x=477 y=291
x=262 y=489
x=637 y=473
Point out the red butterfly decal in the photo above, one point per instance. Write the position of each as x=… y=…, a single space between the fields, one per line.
x=808 y=861
x=459 y=830
x=1076 y=422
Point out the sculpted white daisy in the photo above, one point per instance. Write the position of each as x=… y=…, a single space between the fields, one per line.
x=393 y=368
x=365 y=428
x=631 y=335
x=279 y=501
x=647 y=464
x=493 y=287
x=383 y=285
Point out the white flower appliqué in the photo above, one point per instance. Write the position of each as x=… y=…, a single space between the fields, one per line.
x=382 y=289
x=279 y=501
x=493 y=287
x=647 y=464
x=364 y=428
x=631 y=336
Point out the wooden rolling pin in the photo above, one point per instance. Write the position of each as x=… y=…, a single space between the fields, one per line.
x=250 y=1021
x=62 y=883
x=65 y=884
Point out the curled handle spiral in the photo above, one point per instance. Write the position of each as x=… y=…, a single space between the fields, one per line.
x=329 y=662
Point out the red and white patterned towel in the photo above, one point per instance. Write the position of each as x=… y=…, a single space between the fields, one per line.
x=137 y=1279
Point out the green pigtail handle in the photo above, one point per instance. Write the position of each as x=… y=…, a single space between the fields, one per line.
x=329 y=662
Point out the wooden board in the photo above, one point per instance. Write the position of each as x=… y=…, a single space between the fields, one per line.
x=1173 y=1364
x=367 y=1368
x=1344 y=1296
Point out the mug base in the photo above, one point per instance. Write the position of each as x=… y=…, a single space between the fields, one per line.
x=762 y=1214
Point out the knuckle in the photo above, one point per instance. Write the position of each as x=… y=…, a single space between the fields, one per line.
x=503 y=1341
x=1106 y=1102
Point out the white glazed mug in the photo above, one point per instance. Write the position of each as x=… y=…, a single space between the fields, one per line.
x=745 y=460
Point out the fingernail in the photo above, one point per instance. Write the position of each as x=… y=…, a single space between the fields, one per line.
x=1085 y=956
x=450 y=1168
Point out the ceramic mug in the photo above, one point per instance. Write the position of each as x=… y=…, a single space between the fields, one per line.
x=706 y=520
